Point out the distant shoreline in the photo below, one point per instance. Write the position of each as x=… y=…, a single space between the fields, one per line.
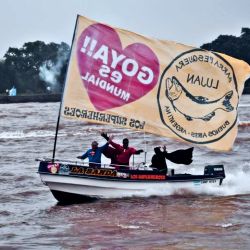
x=4 y=99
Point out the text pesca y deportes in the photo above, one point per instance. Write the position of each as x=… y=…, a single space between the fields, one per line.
x=103 y=117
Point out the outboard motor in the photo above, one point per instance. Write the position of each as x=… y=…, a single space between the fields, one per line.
x=216 y=170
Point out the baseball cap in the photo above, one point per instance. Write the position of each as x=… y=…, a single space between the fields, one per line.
x=94 y=143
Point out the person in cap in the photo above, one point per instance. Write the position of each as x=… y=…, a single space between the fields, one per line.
x=94 y=154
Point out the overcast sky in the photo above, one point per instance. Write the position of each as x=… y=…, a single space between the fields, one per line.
x=191 y=22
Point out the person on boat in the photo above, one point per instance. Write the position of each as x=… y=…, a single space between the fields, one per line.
x=94 y=154
x=124 y=152
x=110 y=152
x=158 y=160
x=181 y=156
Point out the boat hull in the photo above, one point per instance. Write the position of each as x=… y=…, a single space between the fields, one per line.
x=70 y=183
x=98 y=188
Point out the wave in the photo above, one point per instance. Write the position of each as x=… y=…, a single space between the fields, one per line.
x=22 y=134
x=243 y=105
x=37 y=134
x=26 y=194
x=244 y=123
x=123 y=226
x=235 y=183
x=31 y=134
x=46 y=132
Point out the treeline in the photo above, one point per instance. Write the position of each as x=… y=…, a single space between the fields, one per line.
x=238 y=47
x=36 y=67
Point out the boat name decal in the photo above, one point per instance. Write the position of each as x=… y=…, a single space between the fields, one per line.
x=94 y=172
x=147 y=177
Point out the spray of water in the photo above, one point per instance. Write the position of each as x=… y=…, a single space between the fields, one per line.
x=49 y=71
x=235 y=183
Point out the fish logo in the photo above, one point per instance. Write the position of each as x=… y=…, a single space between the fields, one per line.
x=198 y=96
x=178 y=94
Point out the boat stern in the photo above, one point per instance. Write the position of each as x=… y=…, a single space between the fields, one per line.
x=215 y=171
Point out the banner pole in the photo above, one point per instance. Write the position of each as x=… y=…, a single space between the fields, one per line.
x=145 y=148
x=60 y=108
x=57 y=127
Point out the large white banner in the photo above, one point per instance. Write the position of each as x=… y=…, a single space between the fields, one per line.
x=124 y=79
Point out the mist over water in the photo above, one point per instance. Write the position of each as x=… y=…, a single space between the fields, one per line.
x=49 y=71
x=210 y=218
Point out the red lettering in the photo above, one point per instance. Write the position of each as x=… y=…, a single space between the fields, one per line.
x=147 y=177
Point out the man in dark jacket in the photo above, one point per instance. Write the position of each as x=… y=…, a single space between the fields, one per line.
x=181 y=156
x=159 y=160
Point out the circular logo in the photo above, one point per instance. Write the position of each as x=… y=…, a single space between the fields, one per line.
x=54 y=169
x=198 y=96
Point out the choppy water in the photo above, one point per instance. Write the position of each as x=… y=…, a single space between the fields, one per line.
x=31 y=219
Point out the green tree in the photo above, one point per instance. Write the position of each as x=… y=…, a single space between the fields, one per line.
x=238 y=47
x=7 y=77
x=25 y=64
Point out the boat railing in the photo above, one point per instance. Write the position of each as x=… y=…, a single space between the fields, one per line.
x=138 y=166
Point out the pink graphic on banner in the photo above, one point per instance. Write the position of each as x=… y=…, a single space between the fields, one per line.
x=114 y=76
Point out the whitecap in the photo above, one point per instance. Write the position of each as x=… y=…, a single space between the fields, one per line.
x=128 y=226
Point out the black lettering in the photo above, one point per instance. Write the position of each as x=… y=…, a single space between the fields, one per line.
x=217 y=84
x=201 y=58
x=78 y=113
x=190 y=78
x=113 y=119
x=72 y=113
x=142 y=125
x=95 y=116
x=195 y=58
x=137 y=124
x=124 y=121
x=181 y=64
x=102 y=117
x=186 y=61
x=66 y=111
x=108 y=118
x=89 y=116
x=84 y=113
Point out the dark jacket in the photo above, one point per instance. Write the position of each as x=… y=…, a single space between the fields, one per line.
x=111 y=153
x=159 y=160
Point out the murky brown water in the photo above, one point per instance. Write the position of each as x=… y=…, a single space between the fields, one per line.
x=31 y=219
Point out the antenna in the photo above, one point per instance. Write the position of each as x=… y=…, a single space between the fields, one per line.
x=145 y=147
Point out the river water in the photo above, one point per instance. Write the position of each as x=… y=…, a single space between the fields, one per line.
x=30 y=217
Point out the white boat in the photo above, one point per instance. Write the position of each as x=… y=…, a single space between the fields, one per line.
x=72 y=182
x=123 y=79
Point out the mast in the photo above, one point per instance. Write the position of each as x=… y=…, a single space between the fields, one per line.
x=59 y=114
x=57 y=127
x=145 y=147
